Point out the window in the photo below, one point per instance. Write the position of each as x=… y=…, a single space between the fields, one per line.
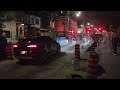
x=37 y=21
x=27 y=19
x=6 y=33
x=20 y=30
x=32 y=20
x=22 y=19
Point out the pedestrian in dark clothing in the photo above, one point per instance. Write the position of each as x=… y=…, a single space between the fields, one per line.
x=115 y=42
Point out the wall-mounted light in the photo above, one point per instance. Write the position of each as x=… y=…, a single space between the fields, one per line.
x=88 y=23
x=22 y=24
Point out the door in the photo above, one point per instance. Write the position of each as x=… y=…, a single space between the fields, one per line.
x=20 y=31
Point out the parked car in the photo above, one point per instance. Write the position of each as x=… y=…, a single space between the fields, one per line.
x=36 y=49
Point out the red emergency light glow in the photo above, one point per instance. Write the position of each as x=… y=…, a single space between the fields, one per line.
x=32 y=46
x=15 y=46
x=70 y=31
x=100 y=28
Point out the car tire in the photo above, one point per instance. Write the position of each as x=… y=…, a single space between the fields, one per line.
x=58 y=50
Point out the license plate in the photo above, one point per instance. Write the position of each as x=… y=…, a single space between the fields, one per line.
x=23 y=52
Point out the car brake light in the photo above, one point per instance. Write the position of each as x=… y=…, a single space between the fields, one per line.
x=15 y=46
x=30 y=46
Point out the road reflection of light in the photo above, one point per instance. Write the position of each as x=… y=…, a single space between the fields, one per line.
x=84 y=39
x=66 y=41
x=74 y=42
x=70 y=46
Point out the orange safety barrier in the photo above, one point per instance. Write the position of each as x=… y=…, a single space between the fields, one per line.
x=9 y=51
x=93 y=66
x=77 y=51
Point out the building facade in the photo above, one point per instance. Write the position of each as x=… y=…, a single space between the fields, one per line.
x=23 y=26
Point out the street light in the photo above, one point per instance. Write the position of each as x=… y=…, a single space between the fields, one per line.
x=88 y=23
x=77 y=14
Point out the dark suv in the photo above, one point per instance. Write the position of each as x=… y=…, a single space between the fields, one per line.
x=36 y=49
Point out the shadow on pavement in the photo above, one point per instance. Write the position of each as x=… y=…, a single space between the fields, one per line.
x=48 y=60
x=73 y=76
x=92 y=47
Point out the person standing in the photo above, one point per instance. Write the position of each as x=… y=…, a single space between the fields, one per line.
x=115 y=42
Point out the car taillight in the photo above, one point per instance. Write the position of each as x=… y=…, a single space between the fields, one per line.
x=15 y=46
x=32 y=46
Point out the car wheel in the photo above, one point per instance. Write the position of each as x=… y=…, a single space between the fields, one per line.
x=58 y=50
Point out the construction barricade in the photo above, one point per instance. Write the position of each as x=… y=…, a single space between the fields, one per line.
x=93 y=66
x=9 y=51
x=76 y=61
x=77 y=51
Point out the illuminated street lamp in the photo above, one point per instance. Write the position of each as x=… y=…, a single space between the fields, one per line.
x=88 y=23
x=77 y=14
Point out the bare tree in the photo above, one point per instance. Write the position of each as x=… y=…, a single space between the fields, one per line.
x=4 y=18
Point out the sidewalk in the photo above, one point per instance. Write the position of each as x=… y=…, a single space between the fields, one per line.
x=110 y=63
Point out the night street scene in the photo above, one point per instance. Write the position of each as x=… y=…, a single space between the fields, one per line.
x=59 y=44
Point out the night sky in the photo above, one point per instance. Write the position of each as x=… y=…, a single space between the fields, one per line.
x=105 y=17
x=96 y=17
